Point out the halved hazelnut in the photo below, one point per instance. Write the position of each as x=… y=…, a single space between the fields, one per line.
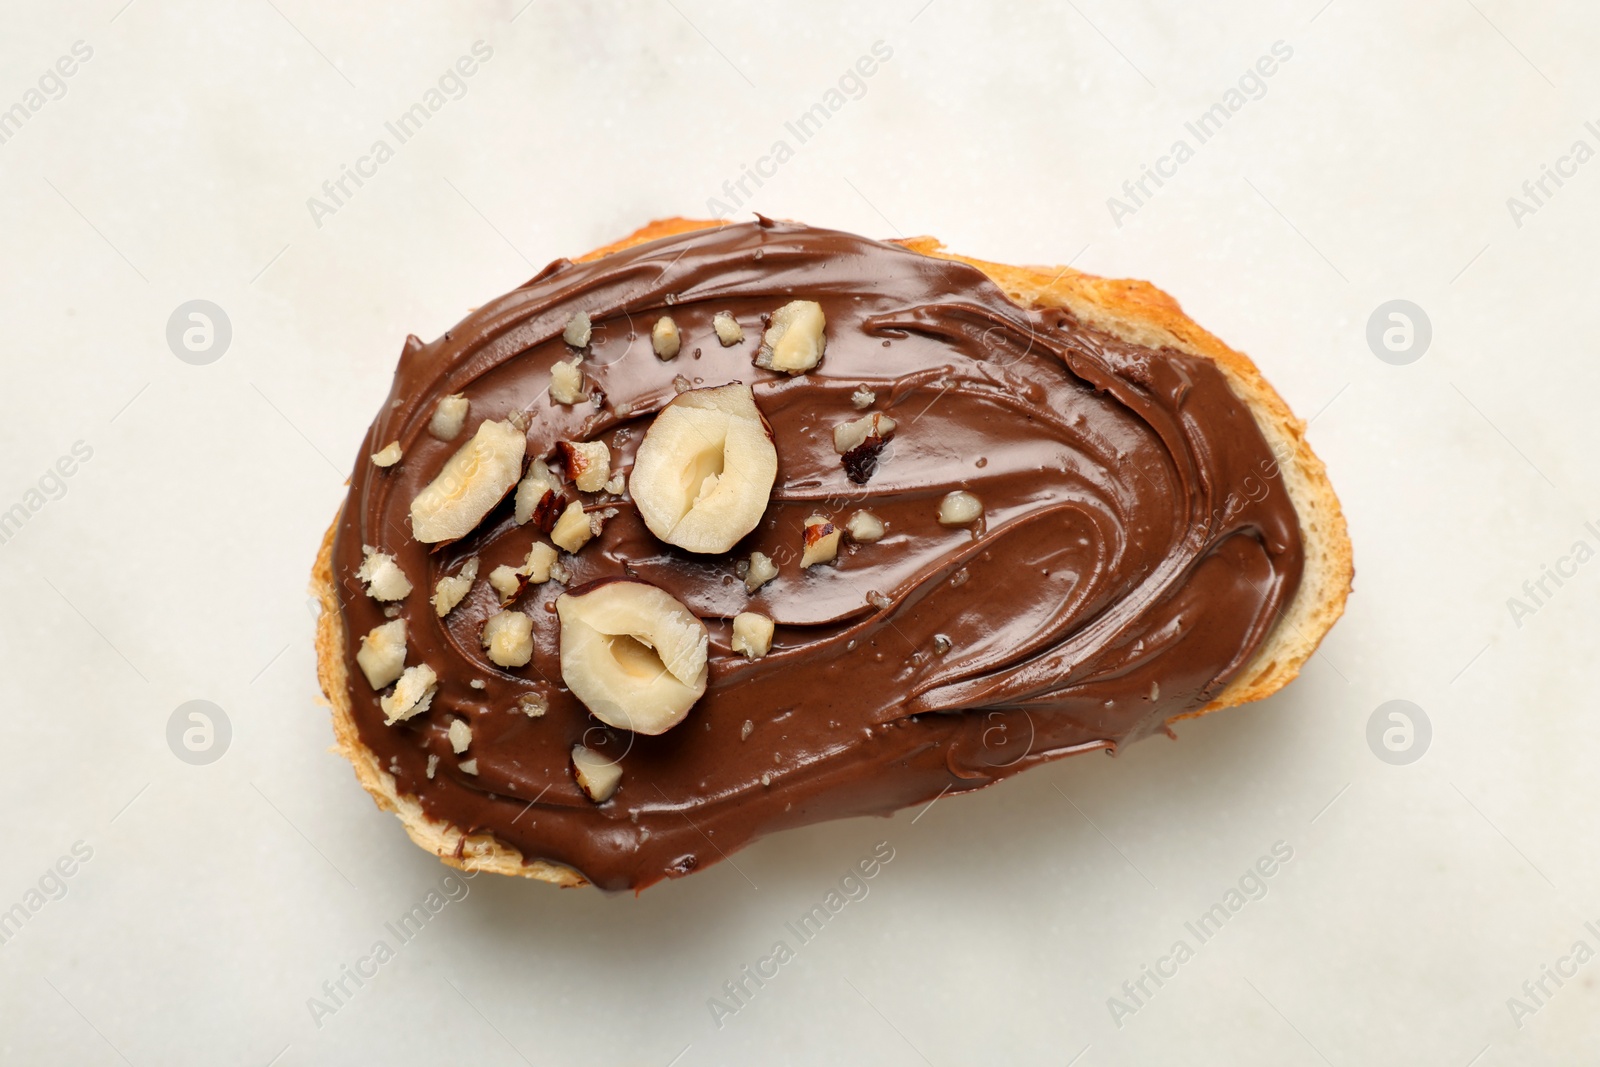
x=795 y=340
x=540 y=496
x=704 y=471
x=632 y=654
x=665 y=340
x=588 y=464
x=471 y=483
x=412 y=695
x=566 y=382
x=752 y=634
x=449 y=417
x=759 y=571
x=383 y=576
x=577 y=330
x=452 y=589
x=865 y=527
x=387 y=456
x=821 y=541
x=460 y=735
x=959 y=508
x=508 y=638
x=729 y=332
x=382 y=655
x=572 y=530
x=597 y=775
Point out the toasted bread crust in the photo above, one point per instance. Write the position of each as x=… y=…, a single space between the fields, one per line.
x=1132 y=310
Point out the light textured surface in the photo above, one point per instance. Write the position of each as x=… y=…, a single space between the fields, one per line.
x=1376 y=166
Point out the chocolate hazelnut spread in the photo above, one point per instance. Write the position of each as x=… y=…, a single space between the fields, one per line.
x=1133 y=549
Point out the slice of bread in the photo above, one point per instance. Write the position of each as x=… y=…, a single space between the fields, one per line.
x=1134 y=311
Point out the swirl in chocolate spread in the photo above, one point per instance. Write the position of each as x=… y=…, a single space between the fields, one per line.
x=1118 y=578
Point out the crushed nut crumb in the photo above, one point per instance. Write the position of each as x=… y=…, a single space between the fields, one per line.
x=577 y=331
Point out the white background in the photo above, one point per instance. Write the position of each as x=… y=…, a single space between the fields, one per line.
x=1377 y=166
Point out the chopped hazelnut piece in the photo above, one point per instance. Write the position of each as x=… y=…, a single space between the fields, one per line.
x=588 y=464
x=468 y=766
x=665 y=340
x=729 y=332
x=433 y=765
x=848 y=436
x=795 y=341
x=505 y=580
x=510 y=581
x=863 y=398
x=460 y=735
x=412 y=695
x=616 y=484
x=577 y=330
x=572 y=531
x=759 y=571
x=566 y=382
x=821 y=541
x=597 y=775
x=452 y=589
x=540 y=496
x=383 y=577
x=541 y=557
x=959 y=508
x=508 y=638
x=752 y=634
x=449 y=417
x=387 y=456
x=382 y=655
x=533 y=705
x=860 y=442
x=865 y=527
